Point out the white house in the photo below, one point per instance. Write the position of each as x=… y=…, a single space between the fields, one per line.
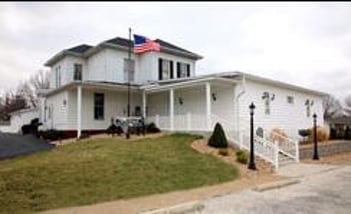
x=88 y=87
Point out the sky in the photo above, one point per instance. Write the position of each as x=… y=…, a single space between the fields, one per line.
x=306 y=43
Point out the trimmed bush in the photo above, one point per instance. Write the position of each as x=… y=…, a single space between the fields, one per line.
x=152 y=128
x=218 y=139
x=242 y=156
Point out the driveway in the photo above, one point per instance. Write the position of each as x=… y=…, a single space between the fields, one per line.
x=327 y=190
x=13 y=145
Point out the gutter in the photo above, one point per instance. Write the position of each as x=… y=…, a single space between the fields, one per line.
x=242 y=92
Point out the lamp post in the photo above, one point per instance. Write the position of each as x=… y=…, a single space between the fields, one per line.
x=129 y=67
x=252 y=154
x=315 y=150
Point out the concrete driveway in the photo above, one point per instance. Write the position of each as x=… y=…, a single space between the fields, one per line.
x=323 y=189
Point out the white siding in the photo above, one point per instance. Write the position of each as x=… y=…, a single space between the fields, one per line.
x=115 y=105
x=290 y=117
x=67 y=70
x=148 y=67
x=55 y=104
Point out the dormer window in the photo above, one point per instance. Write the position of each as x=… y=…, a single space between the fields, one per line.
x=165 y=69
x=78 y=68
x=183 y=70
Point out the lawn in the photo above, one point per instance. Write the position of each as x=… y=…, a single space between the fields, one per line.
x=107 y=169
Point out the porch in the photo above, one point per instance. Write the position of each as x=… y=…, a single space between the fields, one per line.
x=191 y=106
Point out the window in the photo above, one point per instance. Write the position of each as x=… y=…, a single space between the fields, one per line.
x=99 y=99
x=129 y=69
x=290 y=99
x=308 y=105
x=78 y=68
x=183 y=70
x=58 y=76
x=165 y=69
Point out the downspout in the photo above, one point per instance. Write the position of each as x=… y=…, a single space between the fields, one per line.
x=241 y=93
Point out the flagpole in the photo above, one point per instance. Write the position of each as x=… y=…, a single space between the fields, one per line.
x=129 y=70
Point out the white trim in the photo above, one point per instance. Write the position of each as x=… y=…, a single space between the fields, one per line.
x=171 y=109
x=208 y=106
x=79 y=111
x=144 y=104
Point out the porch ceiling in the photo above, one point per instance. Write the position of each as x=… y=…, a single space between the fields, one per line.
x=218 y=82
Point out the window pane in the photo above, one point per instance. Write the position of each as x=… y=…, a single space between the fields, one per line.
x=99 y=106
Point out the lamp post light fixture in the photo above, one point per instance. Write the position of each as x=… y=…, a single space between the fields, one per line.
x=252 y=153
x=315 y=150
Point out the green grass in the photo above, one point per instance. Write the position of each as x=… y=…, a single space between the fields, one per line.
x=104 y=170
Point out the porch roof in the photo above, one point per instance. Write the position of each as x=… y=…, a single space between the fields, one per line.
x=186 y=82
x=94 y=84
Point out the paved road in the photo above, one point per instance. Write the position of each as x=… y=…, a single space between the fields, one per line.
x=327 y=192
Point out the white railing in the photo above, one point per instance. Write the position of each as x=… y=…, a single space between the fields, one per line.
x=287 y=146
x=264 y=148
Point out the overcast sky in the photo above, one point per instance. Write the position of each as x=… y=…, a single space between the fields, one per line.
x=307 y=44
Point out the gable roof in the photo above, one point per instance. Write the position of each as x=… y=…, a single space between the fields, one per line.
x=85 y=50
x=80 y=49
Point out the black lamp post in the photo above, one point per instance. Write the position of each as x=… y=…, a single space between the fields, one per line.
x=252 y=154
x=315 y=151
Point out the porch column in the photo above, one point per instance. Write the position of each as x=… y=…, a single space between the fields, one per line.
x=171 y=109
x=144 y=104
x=79 y=111
x=208 y=106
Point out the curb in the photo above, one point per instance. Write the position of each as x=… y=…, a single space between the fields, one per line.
x=189 y=207
x=275 y=185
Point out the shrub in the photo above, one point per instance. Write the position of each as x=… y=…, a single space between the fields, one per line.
x=113 y=129
x=242 y=156
x=322 y=134
x=333 y=134
x=152 y=128
x=223 y=151
x=218 y=139
x=304 y=132
x=52 y=134
x=347 y=133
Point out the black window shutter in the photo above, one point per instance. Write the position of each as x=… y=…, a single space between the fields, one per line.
x=159 y=68
x=188 y=70
x=178 y=69
x=171 y=69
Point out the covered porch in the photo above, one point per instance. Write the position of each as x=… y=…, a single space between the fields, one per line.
x=191 y=106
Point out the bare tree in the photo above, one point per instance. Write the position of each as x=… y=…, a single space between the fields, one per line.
x=332 y=107
x=39 y=80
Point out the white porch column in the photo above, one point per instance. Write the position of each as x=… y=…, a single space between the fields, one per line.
x=208 y=106
x=144 y=104
x=79 y=111
x=171 y=109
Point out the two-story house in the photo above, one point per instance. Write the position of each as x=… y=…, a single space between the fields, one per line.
x=89 y=87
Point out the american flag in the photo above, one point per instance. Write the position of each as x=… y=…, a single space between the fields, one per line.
x=143 y=44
